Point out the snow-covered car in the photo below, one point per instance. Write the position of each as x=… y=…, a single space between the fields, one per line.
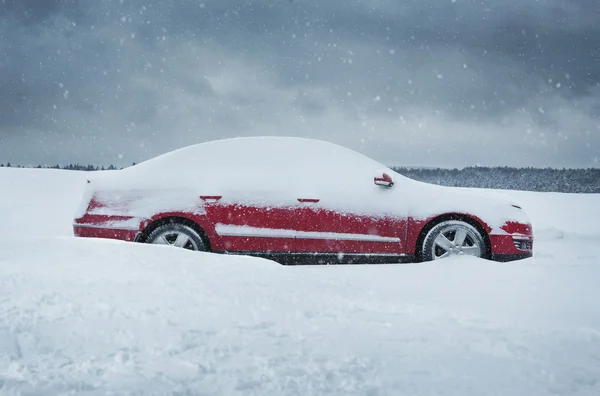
x=297 y=200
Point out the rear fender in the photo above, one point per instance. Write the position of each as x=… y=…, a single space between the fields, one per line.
x=199 y=219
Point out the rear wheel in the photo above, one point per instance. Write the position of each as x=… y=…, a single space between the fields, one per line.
x=452 y=238
x=177 y=235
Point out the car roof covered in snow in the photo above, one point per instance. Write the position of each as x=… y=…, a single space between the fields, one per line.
x=269 y=159
x=264 y=151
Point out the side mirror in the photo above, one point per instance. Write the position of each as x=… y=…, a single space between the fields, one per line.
x=384 y=181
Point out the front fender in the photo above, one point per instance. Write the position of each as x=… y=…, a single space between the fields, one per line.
x=418 y=227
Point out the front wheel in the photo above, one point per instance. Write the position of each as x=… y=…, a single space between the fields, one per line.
x=177 y=235
x=452 y=238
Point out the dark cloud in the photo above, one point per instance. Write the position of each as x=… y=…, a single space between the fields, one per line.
x=29 y=11
x=416 y=82
x=32 y=12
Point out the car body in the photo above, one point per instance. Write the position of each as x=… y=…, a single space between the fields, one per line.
x=297 y=200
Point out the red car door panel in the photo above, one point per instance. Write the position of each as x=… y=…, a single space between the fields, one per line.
x=322 y=230
x=248 y=228
x=315 y=229
x=373 y=234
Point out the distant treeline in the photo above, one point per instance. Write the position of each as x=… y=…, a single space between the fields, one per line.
x=526 y=179
x=76 y=167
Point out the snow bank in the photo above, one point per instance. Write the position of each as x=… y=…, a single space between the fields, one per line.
x=97 y=317
x=557 y=215
x=37 y=202
x=101 y=317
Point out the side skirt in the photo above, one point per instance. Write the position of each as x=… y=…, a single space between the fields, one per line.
x=504 y=258
x=327 y=258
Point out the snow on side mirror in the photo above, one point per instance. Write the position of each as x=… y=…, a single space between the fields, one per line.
x=384 y=180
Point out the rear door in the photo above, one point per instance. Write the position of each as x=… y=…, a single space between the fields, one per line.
x=250 y=206
x=242 y=227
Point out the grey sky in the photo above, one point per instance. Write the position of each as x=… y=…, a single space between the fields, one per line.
x=416 y=82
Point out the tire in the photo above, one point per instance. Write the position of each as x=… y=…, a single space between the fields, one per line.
x=177 y=235
x=452 y=238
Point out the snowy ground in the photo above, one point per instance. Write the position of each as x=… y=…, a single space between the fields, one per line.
x=98 y=317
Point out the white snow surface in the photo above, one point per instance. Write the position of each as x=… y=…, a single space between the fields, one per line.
x=266 y=171
x=98 y=317
x=144 y=205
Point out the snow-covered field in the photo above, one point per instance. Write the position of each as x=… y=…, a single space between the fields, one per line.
x=97 y=317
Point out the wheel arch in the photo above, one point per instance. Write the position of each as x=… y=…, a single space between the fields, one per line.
x=171 y=219
x=469 y=219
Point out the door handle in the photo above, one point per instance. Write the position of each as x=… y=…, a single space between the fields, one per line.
x=308 y=200
x=210 y=197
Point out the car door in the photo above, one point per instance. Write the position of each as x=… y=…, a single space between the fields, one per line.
x=324 y=229
x=351 y=216
x=252 y=228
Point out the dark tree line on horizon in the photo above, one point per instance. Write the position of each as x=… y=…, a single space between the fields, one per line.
x=76 y=167
x=525 y=179
x=507 y=178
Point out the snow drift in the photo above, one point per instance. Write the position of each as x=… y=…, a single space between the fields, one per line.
x=97 y=317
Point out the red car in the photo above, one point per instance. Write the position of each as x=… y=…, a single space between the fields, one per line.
x=296 y=201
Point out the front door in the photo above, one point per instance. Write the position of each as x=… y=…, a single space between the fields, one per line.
x=340 y=234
